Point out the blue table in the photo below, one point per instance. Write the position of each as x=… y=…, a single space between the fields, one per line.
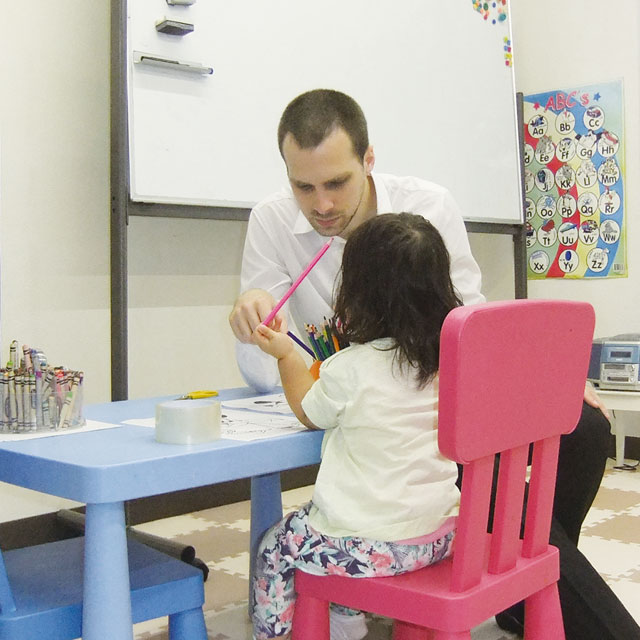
x=104 y=468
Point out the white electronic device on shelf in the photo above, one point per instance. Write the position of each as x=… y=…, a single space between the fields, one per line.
x=615 y=362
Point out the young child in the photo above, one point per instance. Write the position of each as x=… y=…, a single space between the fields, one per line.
x=385 y=499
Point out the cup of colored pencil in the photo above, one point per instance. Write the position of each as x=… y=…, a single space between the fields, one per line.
x=324 y=340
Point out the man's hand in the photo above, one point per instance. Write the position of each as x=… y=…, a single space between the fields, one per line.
x=591 y=398
x=250 y=309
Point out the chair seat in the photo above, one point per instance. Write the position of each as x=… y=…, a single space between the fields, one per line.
x=46 y=581
x=424 y=597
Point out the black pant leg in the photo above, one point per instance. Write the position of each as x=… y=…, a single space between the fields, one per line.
x=581 y=463
x=590 y=609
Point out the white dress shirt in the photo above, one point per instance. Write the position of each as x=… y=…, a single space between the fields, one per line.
x=280 y=242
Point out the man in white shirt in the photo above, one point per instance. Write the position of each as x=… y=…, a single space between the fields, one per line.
x=324 y=143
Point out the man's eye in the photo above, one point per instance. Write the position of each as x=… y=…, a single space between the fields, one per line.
x=305 y=187
x=336 y=184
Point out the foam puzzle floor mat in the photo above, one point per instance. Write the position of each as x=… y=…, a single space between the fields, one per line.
x=610 y=539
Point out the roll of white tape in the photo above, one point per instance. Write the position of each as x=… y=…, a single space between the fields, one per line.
x=187 y=421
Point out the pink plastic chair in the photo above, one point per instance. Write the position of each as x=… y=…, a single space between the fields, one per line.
x=511 y=374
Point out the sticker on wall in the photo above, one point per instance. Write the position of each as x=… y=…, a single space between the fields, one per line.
x=574 y=183
x=495 y=12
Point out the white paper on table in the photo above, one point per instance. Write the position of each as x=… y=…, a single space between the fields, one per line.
x=91 y=425
x=245 y=425
x=272 y=403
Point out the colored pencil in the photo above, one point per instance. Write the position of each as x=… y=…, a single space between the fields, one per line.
x=294 y=286
x=299 y=342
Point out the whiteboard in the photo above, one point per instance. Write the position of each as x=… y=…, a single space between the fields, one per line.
x=430 y=75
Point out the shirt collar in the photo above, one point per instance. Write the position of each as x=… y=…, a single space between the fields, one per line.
x=383 y=202
x=383 y=205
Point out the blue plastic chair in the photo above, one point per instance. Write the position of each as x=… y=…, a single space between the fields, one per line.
x=41 y=591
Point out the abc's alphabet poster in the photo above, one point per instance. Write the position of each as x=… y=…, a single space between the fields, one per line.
x=574 y=183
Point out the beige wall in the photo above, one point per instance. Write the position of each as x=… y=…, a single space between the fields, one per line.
x=183 y=274
x=183 y=279
x=55 y=182
x=54 y=193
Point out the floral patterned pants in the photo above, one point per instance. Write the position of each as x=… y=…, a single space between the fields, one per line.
x=292 y=544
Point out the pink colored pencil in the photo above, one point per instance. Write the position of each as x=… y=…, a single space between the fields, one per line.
x=294 y=286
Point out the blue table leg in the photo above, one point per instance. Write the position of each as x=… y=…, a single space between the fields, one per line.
x=266 y=510
x=106 y=609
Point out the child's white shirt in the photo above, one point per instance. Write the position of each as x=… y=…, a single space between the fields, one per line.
x=382 y=475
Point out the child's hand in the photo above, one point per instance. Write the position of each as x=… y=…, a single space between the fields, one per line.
x=276 y=343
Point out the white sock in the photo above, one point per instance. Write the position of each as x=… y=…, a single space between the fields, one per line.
x=347 y=627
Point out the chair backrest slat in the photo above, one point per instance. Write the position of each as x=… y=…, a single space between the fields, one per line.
x=541 y=492
x=470 y=549
x=508 y=509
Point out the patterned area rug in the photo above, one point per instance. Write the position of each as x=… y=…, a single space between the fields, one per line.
x=610 y=539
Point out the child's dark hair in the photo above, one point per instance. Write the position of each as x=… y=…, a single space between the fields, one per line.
x=395 y=283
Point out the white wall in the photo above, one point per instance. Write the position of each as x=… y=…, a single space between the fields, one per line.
x=54 y=205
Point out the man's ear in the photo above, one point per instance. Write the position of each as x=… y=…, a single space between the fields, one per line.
x=369 y=159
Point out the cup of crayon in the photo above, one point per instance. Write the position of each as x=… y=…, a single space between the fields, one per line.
x=41 y=399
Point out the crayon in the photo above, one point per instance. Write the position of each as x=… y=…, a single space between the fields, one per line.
x=13 y=355
x=28 y=365
x=32 y=399
x=19 y=387
x=38 y=400
x=13 y=405
x=3 y=386
x=75 y=415
x=67 y=408
x=53 y=412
